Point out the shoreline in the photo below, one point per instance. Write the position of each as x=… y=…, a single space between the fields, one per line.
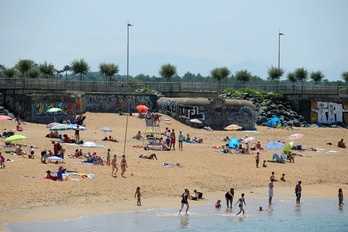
x=72 y=212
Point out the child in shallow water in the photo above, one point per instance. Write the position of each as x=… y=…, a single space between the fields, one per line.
x=218 y=204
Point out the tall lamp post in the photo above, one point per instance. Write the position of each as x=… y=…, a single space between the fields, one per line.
x=279 y=34
x=128 y=25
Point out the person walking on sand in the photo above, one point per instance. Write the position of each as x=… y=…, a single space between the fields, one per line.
x=181 y=139
x=270 y=192
x=137 y=194
x=184 y=200
x=77 y=134
x=298 y=190
x=172 y=140
x=241 y=201
x=257 y=158
x=340 y=197
x=114 y=166
x=229 y=198
x=108 y=158
x=123 y=165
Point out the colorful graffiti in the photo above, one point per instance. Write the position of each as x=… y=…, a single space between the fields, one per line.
x=114 y=103
x=39 y=111
x=329 y=112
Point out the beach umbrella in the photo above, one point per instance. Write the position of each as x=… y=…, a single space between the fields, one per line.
x=142 y=108
x=61 y=127
x=90 y=145
x=53 y=110
x=233 y=127
x=247 y=140
x=4 y=117
x=233 y=143
x=52 y=124
x=288 y=147
x=295 y=136
x=74 y=126
x=274 y=145
x=106 y=129
x=15 y=138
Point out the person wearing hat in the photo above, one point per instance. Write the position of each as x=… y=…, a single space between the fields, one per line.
x=181 y=139
x=298 y=190
x=184 y=200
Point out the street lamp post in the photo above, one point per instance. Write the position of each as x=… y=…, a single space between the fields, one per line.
x=279 y=34
x=128 y=25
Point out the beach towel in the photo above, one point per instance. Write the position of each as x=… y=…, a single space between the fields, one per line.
x=166 y=119
x=191 y=142
x=172 y=165
x=252 y=131
x=169 y=123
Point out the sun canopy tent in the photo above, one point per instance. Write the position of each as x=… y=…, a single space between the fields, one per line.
x=274 y=121
x=233 y=143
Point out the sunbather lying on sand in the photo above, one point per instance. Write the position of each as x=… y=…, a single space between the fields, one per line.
x=151 y=157
x=113 y=139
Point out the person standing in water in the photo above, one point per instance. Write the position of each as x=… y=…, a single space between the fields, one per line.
x=138 y=195
x=298 y=190
x=241 y=201
x=270 y=192
x=184 y=200
x=340 y=197
x=229 y=198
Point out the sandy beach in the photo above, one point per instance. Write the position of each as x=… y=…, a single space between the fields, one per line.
x=29 y=199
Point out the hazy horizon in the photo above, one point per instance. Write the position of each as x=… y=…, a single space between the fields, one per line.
x=195 y=36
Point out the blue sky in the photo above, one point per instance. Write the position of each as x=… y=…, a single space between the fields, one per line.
x=195 y=36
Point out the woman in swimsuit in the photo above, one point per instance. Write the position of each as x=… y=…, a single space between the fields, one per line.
x=184 y=200
x=229 y=198
x=123 y=165
x=241 y=201
x=114 y=166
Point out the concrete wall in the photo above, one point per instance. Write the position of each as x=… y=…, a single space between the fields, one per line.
x=215 y=113
x=33 y=107
x=324 y=109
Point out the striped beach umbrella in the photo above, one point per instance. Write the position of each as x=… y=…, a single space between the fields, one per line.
x=247 y=140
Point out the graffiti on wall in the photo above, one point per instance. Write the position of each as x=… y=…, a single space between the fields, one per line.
x=114 y=103
x=176 y=110
x=329 y=112
x=39 y=111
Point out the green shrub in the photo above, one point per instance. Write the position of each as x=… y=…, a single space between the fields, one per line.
x=247 y=90
x=145 y=90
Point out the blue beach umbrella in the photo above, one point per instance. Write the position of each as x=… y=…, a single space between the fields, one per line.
x=274 y=145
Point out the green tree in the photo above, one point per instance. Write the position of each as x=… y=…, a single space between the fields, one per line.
x=23 y=66
x=34 y=73
x=292 y=78
x=301 y=74
x=274 y=74
x=220 y=74
x=66 y=69
x=79 y=67
x=243 y=76
x=168 y=71
x=108 y=70
x=47 y=69
x=345 y=76
x=9 y=72
x=317 y=76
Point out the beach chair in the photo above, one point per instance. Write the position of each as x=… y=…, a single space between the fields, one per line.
x=275 y=156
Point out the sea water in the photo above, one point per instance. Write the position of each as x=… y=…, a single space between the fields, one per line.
x=314 y=214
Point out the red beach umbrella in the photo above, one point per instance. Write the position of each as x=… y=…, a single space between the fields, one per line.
x=142 y=108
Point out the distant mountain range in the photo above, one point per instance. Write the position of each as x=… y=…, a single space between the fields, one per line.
x=149 y=64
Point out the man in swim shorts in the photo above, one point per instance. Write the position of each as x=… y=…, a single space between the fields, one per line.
x=298 y=190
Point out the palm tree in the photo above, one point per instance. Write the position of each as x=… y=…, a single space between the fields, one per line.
x=243 y=76
x=108 y=70
x=9 y=72
x=168 y=71
x=317 y=77
x=47 y=69
x=275 y=74
x=23 y=66
x=79 y=67
x=345 y=76
x=292 y=78
x=301 y=75
x=66 y=69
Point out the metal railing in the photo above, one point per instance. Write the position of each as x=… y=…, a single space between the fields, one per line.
x=165 y=87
